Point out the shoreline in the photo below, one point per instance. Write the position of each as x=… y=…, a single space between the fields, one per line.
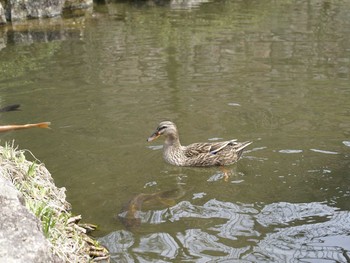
x=28 y=189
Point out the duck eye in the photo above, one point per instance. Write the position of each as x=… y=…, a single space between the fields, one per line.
x=162 y=128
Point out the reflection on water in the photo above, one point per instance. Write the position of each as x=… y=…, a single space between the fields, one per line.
x=273 y=72
x=279 y=232
x=320 y=233
x=186 y=4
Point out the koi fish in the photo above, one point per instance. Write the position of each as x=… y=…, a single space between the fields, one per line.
x=5 y=128
x=13 y=107
x=130 y=213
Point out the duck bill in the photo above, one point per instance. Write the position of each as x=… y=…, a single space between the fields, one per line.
x=153 y=136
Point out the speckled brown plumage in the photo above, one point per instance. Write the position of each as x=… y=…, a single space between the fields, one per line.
x=196 y=154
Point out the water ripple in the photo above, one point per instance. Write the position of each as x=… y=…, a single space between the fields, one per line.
x=284 y=213
x=346 y=143
x=290 y=151
x=276 y=231
x=323 y=151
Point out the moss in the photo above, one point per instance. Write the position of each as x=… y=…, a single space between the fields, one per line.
x=47 y=202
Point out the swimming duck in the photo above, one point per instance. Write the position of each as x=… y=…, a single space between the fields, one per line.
x=196 y=154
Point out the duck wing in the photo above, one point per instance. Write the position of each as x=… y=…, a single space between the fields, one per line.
x=196 y=149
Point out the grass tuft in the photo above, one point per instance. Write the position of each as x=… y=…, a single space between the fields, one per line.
x=48 y=203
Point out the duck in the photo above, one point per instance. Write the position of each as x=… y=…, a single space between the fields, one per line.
x=196 y=154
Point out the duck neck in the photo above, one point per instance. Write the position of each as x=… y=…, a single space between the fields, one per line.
x=172 y=151
x=172 y=140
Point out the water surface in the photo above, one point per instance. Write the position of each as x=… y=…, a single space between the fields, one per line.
x=276 y=73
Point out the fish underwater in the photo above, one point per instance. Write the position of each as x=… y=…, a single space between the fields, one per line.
x=15 y=107
x=5 y=128
x=130 y=214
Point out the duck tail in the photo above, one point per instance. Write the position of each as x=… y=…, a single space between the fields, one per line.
x=243 y=145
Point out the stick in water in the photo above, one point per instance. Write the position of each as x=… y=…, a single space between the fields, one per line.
x=6 y=128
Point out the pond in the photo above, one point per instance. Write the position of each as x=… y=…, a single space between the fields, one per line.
x=272 y=72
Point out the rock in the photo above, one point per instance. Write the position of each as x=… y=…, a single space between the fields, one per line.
x=77 y=4
x=2 y=15
x=17 y=10
x=23 y=9
x=21 y=236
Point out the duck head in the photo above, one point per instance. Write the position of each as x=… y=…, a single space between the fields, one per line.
x=166 y=128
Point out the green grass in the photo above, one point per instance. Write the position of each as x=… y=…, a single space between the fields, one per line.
x=48 y=203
